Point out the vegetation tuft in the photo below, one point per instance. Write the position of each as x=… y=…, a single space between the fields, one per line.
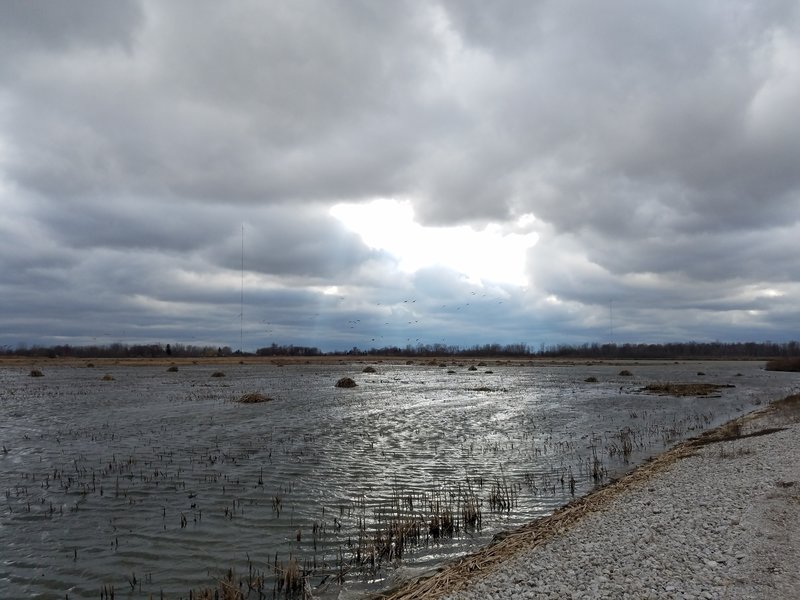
x=254 y=398
x=346 y=382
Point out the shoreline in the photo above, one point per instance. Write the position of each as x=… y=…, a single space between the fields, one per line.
x=510 y=566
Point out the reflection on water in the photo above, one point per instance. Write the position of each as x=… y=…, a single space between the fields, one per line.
x=157 y=482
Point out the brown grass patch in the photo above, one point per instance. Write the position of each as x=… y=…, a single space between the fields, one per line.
x=685 y=389
x=784 y=364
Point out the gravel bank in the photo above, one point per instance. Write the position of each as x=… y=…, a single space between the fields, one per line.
x=723 y=522
x=714 y=518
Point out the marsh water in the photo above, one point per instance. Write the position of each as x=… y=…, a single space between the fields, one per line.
x=156 y=482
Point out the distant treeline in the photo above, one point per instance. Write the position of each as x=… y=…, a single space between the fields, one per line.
x=601 y=351
x=681 y=350
x=119 y=350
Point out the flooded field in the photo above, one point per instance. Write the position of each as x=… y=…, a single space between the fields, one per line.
x=136 y=481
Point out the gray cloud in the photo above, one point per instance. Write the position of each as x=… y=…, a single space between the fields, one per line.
x=656 y=148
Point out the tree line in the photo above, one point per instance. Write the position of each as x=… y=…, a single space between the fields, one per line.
x=676 y=350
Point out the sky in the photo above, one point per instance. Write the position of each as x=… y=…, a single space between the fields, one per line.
x=366 y=174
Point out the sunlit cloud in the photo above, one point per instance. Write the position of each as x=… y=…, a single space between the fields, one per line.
x=492 y=254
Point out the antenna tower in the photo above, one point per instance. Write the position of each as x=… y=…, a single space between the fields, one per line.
x=611 y=321
x=241 y=301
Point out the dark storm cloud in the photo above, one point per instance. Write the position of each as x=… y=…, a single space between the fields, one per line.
x=656 y=147
x=56 y=26
x=263 y=103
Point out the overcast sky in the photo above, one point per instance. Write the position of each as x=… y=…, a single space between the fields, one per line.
x=362 y=173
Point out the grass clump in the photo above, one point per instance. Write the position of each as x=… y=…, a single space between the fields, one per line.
x=172 y=369
x=254 y=398
x=369 y=370
x=591 y=379
x=218 y=374
x=625 y=373
x=36 y=373
x=346 y=382
x=107 y=377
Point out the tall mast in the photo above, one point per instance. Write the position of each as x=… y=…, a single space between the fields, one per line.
x=241 y=301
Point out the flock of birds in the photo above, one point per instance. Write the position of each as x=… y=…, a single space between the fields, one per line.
x=384 y=324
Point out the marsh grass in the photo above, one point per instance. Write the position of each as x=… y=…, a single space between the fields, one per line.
x=685 y=389
x=784 y=364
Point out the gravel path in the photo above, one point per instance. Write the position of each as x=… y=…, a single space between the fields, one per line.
x=721 y=523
